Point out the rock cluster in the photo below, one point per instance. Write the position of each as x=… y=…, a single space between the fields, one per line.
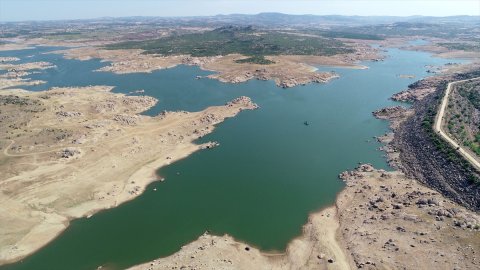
x=244 y=101
x=126 y=120
x=16 y=100
x=8 y=59
x=422 y=159
x=210 y=145
x=389 y=112
x=289 y=82
x=68 y=114
x=70 y=152
x=413 y=95
x=398 y=218
x=139 y=103
x=365 y=167
x=209 y=118
x=355 y=174
x=198 y=61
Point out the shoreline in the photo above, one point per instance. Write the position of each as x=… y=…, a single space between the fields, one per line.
x=287 y=70
x=144 y=173
x=44 y=217
x=293 y=256
x=360 y=257
x=430 y=166
x=147 y=176
x=328 y=241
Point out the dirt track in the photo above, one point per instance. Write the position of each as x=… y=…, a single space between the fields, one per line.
x=438 y=126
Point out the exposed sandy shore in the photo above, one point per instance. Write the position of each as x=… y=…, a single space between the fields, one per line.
x=8 y=59
x=445 y=52
x=14 y=46
x=52 y=140
x=15 y=82
x=432 y=46
x=16 y=73
x=381 y=220
x=312 y=250
x=286 y=71
x=70 y=152
x=12 y=67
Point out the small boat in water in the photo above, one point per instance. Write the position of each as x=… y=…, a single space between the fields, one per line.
x=306 y=123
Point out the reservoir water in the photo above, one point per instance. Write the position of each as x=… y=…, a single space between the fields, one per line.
x=269 y=173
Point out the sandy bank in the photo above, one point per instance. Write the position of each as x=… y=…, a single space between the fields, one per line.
x=16 y=74
x=313 y=250
x=70 y=152
x=433 y=45
x=286 y=71
x=381 y=220
x=8 y=59
x=14 y=46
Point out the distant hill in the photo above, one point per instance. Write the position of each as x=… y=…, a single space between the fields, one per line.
x=282 y=20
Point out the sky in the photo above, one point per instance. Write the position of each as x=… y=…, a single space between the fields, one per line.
x=21 y=10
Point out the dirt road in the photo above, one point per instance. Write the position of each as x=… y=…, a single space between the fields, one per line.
x=438 y=126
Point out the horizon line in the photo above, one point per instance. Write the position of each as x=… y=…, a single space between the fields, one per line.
x=231 y=14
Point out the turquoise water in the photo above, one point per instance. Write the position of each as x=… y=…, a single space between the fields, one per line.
x=259 y=186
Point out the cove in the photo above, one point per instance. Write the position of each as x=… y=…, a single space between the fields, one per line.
x=269 y=172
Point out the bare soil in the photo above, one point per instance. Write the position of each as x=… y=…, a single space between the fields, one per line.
x=70 y=152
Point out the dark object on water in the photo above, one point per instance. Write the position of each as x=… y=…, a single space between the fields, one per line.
x=306 y=123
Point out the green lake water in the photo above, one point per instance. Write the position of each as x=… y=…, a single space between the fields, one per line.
x=269 y=173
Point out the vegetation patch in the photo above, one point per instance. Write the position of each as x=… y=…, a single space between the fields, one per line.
x=463 y=115
x=241 y=40
x=349 y=35
x=443 y=146
x=404 y=29
x=461 y=46
x=257 y=59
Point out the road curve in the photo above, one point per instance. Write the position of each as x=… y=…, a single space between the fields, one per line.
x=438 y=126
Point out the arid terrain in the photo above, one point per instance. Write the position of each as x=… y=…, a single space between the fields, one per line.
x=406 y=223
x=70 y=152
x=422 y=154
x=381 y=220
x=286 y=71
x=16 y=74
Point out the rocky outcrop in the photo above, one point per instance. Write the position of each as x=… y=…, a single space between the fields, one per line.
x=395 y=115
x=126 y=120
x=198 y=61
x=415 y=151
x=246 y=102
x=8 y=59
x=100 y=157
x=420 y=89
x=381 y=220
x=423 y=160
x=409 y=226
x=68 y=114
x=390 y=112
x=289 y=82
x=413 y=95
x=70 y=152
